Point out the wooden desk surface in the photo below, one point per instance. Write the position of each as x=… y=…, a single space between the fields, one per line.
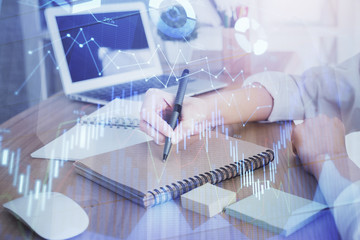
x=111 y=216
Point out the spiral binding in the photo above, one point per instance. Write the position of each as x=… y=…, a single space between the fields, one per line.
x=174 y=190
x=116 y=122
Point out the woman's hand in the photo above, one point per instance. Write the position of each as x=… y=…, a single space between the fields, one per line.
x=156 y=111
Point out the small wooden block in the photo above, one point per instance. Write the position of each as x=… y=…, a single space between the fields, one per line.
x=207 y=199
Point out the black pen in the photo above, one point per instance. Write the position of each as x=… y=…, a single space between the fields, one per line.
x=177 y=110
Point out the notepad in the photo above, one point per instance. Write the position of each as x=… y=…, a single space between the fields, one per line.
x=112 y=127
x=276 y=211
x=207 y=199
x=139 y=174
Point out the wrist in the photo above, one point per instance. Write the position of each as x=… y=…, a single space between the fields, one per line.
x=207 y=112
x=322 y=158
x=334 y=156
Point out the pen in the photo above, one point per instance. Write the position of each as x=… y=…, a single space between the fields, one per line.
x=177 y=110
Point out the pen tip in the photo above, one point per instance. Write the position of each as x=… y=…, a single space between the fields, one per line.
x=164 y=157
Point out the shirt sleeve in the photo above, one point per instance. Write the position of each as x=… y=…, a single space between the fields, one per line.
x=286 y=94
x=333 y=91
x=343 y=197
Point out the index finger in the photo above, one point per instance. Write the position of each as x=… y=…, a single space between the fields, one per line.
x=153 y=120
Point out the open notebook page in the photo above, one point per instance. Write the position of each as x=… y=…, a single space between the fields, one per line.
x=93 y=137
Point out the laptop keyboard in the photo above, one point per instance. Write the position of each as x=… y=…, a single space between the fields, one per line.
x=133 y=88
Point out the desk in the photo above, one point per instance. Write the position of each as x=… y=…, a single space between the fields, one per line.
x=113 y=217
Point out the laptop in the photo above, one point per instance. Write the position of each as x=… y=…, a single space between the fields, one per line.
x=109 y=52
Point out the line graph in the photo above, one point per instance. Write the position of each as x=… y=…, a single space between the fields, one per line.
x=84 y=42
x=139 y=64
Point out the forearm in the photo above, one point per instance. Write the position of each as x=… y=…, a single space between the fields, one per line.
x=241 y=105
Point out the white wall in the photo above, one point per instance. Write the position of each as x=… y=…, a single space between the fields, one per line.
x=317 y=32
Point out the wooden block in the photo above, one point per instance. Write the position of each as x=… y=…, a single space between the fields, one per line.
x=207 y=199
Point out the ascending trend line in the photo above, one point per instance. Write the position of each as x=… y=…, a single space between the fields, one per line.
x=33 y=71
x=257 y=108
x=30 y=52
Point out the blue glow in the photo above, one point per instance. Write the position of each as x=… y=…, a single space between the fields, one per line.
x=37 y=188
x=21 y=183
x=27 y=179
x=56 y=170
x=5 y=155
x=18 y=153
x=29 y=207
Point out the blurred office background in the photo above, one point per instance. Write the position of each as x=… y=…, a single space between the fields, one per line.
x=314 y=32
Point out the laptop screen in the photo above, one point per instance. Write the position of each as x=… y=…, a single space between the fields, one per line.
x=103 y=44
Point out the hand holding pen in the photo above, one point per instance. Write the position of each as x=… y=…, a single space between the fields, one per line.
x=175 y=115
x=157 y=109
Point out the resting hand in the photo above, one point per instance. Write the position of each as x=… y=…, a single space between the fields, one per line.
x=317 y=137
x=156 y=111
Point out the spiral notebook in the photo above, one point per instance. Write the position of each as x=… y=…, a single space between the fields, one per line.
x=139 y=174
x=112 y=127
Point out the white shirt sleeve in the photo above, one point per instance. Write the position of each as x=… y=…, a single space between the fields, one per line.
x=284 y=90
x=333 y=91
x=343 y=197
